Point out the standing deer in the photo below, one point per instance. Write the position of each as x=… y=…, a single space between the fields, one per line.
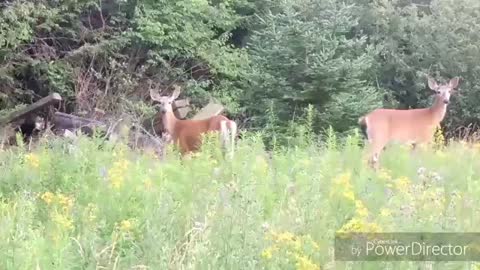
x=188 y=133
x=416 y=126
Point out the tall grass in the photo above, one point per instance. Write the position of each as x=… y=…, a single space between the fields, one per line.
x=88 y=204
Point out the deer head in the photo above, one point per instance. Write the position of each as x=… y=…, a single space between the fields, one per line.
x=164 y=103
x=443 y=91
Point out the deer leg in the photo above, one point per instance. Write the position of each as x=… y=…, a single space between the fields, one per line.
x=376 y=148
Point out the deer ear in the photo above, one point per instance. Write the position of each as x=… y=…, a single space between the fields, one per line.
x=154 y=95
x=432 y=83
x=175 y=93
x=454 y=82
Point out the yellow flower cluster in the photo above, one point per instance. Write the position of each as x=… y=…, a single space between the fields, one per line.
x=403 y=184
x=61 y=208
x=304 y=263
x=342 y=182
x=126 y=225
x=32 y=160
x=438 y=137
x=116 y=174
x=62 y=220
x=293 y=247
x=360 y=209
x=65 y=202
x=384 y=212
x=358 y=225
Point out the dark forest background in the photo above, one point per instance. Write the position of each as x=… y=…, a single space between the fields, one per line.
x=269 y=62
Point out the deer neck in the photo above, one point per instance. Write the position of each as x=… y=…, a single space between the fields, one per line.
x=438 y=110
x=169 y=121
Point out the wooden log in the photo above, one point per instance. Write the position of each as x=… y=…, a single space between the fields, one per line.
x=181 y=113
x=181 y=103
x=43 y=103
x=68 y=121
x=210 y=110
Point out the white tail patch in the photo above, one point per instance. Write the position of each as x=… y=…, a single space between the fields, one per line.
x=228 y=131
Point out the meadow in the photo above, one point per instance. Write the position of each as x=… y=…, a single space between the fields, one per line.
x=89 y=204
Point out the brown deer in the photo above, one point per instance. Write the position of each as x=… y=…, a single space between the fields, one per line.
x=416 y=126
x=187 y=134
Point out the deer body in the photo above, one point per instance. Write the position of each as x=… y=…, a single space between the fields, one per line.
x=187 y=134
x=416 y=126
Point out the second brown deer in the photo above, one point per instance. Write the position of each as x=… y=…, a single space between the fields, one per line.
x=416 y=126
x=187 y=134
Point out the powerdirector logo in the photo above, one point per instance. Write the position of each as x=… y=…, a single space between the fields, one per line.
x=407 y=246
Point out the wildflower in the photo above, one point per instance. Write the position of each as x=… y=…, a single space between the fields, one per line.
x=357 y=225
x=385 y=212
x=65 y=201
x=267 y=253
x=304 y=263
x=285 y=237
x=343 y=180
x=126 y=225
x=116 y=173
x=349 y=195
x=47 y=197
x=402 y=183
x=361 y=210
x=32 y=160
x=439 y=139
x=63 y=221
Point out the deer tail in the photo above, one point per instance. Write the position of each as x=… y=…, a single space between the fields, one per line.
x=228 y=131
x=233 y=134
x=362 y=121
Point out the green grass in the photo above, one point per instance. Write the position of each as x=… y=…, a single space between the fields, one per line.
x=93 y=205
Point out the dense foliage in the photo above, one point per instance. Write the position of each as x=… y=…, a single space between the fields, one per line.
x=266 y=60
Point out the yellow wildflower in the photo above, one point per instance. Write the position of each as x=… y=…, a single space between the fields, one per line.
x=384 y=212
x=267 y=253
x=117 y=172
x=349 y=195
x=126 y=225
x=402 y=184
x=439 y=139
x=65 y=201
x=32 y=160
x=304 y=263
x=63 y=221
x=357 y=225
x=47 y=197
x=360 y=208
x=343 y=180
x=285 y=237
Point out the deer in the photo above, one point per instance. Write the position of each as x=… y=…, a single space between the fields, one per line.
x=187 y=134
x=416 y=126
